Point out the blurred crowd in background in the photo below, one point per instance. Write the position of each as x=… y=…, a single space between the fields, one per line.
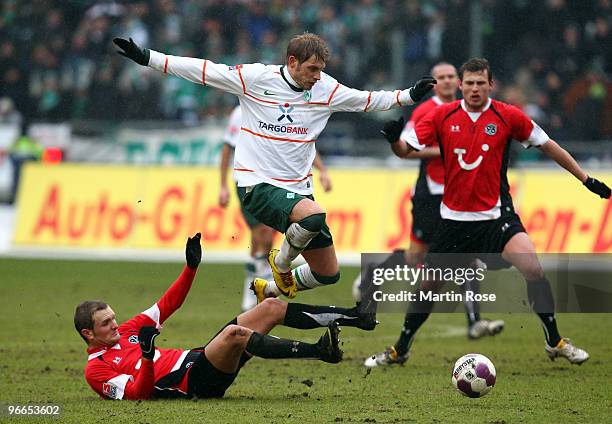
x=57 y=62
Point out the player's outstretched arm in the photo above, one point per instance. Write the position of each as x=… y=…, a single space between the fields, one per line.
x=189 y=68
x=131 y=50
x=176 y=294
x=231 y=79
x=565 y=160
x=348 y=99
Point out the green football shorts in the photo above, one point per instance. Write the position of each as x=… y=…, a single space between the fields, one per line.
x=272 y=206
x=251 y=221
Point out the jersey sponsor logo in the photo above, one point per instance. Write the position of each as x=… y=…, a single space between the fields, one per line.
x=285 y=129
x=469 y=166
x=133 y=339
x=285 y=113
x=235 y=67
x=490 y=129
x=109 y=389
x=455 y=128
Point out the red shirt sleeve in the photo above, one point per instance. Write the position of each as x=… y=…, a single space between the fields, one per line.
x=111 y=385
x=520 y=124
x=165 y=306
x=425 y=129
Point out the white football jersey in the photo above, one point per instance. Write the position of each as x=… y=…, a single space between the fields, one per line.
x=280 y=121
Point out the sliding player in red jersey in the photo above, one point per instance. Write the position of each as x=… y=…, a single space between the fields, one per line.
x=123 y=362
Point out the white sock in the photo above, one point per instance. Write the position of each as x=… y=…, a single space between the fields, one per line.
x=305 y=279
x=272 y=290
x=296 y=240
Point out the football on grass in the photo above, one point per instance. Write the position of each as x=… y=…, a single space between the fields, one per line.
x=473 y=375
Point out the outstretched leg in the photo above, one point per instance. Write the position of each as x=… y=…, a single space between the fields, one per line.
x=520 y=252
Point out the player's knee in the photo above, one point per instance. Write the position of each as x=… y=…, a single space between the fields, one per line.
x=273 y=307
x=235 y=334
x=327 y=279
x=300 y=233
x=313 y=223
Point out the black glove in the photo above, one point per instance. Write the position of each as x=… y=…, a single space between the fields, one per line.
x=146 y=339
x=597 y=187
x=393 y=129
x=193 y=251
x=132 y=51
x=421 y=88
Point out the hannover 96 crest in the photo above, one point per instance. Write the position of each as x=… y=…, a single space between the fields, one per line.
x=491 y=129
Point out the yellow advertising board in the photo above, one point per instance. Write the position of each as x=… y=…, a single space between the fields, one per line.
x=86 y=205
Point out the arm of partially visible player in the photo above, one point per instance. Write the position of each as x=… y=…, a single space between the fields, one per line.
x=412 y=139
x=226 y=153
x=348 y=99
x=426 y=153
x=323 y=175
x=112 y=385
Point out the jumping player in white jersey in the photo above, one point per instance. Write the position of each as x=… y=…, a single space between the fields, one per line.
x=285 y=108
x=261 y=235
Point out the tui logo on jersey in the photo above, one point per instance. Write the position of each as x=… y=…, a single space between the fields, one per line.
x=473 y=165
x=235 y=67
x=133 y=339
x=285 y=111
x=490 y=129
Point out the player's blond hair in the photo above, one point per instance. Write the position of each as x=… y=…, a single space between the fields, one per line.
x=306 y=45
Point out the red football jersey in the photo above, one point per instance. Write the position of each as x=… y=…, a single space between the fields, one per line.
x=114 y=372
x=434 y=167
x=474 y=148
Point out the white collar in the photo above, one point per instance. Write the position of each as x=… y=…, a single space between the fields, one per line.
x=484 y=109
x=437 y=100
x=290 y=79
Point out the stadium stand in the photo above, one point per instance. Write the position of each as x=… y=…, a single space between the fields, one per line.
x=552 y=57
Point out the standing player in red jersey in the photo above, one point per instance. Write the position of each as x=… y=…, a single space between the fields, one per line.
x=477 y=213
x=426 y=200
x=124 y=363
